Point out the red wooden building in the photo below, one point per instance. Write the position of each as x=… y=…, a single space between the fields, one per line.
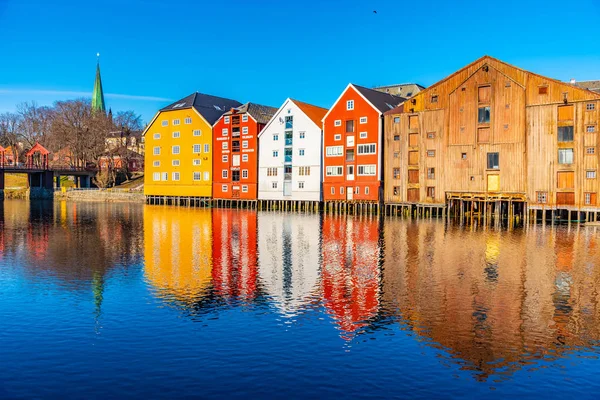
x=352 y=141
x=235 y=151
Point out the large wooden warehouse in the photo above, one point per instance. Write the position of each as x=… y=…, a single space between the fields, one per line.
x=494 y=138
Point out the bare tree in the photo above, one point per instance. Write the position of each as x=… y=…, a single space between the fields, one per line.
x=9 y=132
x=34 y=124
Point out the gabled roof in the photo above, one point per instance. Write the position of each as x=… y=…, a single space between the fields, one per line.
x=402 y=89
x=262 y=114
x=382 y=101
x=315 y=113
x=37 y=147
x=594 y=86
x=396 y=110
x=210 y=107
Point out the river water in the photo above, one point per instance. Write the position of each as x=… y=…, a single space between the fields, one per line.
x=114 y=300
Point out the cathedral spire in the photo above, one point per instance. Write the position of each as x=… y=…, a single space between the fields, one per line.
x=98 y=94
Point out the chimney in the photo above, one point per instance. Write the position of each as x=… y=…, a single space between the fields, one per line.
x=573 y=81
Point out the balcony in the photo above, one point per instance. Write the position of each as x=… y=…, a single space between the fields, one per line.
x=288 y=141
x=235 y=132
x=287 y=177
x=288 y=158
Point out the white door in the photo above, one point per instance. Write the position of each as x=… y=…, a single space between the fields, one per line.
x=235 y=160
x=287 y=188
x=350 y=172
x=349 y=193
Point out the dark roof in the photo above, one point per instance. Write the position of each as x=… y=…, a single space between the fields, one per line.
x=402 y=90
x=210 y=107
x=594 y=86
x=382 y=101
x=396 y=110
x=262 y=114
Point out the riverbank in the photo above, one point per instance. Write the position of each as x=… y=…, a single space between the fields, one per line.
x=101 y=195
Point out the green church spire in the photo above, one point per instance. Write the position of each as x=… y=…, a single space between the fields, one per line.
x=98 y=94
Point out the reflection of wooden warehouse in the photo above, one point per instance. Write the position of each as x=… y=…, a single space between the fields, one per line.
x=493 y=131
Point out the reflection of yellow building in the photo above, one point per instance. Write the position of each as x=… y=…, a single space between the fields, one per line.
x=178 y=250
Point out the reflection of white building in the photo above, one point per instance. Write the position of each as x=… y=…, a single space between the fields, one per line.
x=289 y=259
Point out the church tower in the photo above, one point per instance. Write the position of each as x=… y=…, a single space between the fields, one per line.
x=98 y=94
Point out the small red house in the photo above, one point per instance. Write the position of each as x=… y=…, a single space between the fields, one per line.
x=352 y=144
x=235 y=151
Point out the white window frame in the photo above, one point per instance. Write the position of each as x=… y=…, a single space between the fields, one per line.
x=334 y=151
x=590 y=128
x=175 y=163
x=366 y=190
x=367 y=170
x=273 y=184
x=224 y=132
x=197 y=148
x=334 y=170
x=367 y=148
x=187 y=120
x=197 y=176
x=164 y=122
x=175 y=176
x=363 y=135
x=275 y=137
x=224 y=174
x=244 y=188
x=176 y=122
x=156 y=151
x=337 y=137
x=224 y=158
x=156 y=136
x=207 y=148
x=156 y=177
x=244 y=130
x=206 y=176
x=244 y=157
x=245 y=118
x=156 y=163
x=564 y=151
x=197 y=132
x=175 y=149
x=226 y=119
x=224 y=145
x=300 y=152
x=196 y=162
x=332 y=190
x=590 y=106
x=244 y=174
x=337 y=122
x=224 y=188
x=244 y=144
x=176 y=135
x=590 y=174
x=302 y=134
x=165 y=176
x=275 y=153
x=362 y=120
x=349 y=105
x=301 y=185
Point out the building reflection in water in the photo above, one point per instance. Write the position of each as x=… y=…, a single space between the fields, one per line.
x=289 y=260
x=351 y=275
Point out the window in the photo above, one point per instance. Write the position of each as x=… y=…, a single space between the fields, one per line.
x=590 y=150
x=245 y=174
x=363 y=120
x=225 y=158
x=207 y=148
x=342 y=190
x=244 y=188
x=334 y=151
x=434 y=98
x=590 y=128
x=493 y=160
x=175 y=176
x=176 y=121
x=366 y=148
x=396 y=154
x=463 y=156
x=274 y=184
x=275 y=153
x=350 y=126
x=542 y=197
x=245 y=157
x=302 y=171
x=176 y=135
x=363 y=135
x=334 y=171
x=367 y=169
x=366 y=190
x=337 y=137
x=396 y=138
x=275 y=137
x=224 y=145
x=590 y=198
x=590 y=174
x=223 y=188
x=301 y=152
x=245 y=118
x=396 y=173
x=332 y=190
x=175 y=150
x=430 y=192
x=350 y=105
x=165 y=176
x=196 y=148
x=396 y=120
x=165 y=123
x=157 y=136
x=196 y=162
x=302 y=135
x=565 y=156
x=244 y=144
x=156 y=176
x=224 y=132
x=430 y=173
x=156 y=151
x=430 y=135
x=245 y=130
x=357 y=190
x=590 y=106
x=430 y=153
x=483 y=115
x=175 y=163
x=565 y=133
x=337 y=122
x=542 y=89
x=206 y=176
x=187 y=121
x=156 y=163
x=197 y=132
x=226 y=119
x=396 y=190
x=300 y=185
x=271 y=171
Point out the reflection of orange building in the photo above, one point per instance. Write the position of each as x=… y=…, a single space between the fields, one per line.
x=350 y=271
x=235 y=263
x=178 y=251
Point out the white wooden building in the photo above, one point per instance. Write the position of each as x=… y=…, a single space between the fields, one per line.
x=290 y=146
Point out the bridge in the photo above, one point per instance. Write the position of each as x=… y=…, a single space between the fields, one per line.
x=40 y=174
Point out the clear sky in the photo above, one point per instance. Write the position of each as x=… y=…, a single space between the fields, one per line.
x=154 y=52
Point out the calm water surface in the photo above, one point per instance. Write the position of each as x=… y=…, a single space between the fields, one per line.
x=113 y=300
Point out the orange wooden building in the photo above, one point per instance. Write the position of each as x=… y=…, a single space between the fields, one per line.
x=235 y=151
x=352 y=141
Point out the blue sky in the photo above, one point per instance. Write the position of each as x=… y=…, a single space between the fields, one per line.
x=154 y=52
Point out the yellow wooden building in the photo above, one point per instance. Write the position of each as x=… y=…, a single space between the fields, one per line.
x=178 y=159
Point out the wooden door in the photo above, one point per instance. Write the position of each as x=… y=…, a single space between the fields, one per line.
x=349 y=193
x=413 y=195
x=565 y=198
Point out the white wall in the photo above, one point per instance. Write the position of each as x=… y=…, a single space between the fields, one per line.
x=312 y=156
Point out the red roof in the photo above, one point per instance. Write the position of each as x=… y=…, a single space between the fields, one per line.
x=315 y=113
x=37 y=148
